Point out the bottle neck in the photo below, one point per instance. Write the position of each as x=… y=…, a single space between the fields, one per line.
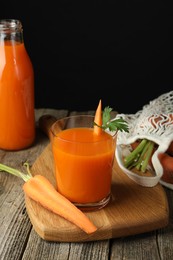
x=11 y=30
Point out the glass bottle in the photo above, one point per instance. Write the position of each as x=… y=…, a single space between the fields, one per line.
x=17 y=117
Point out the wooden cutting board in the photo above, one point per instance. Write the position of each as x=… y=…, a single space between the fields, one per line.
x=133 y=209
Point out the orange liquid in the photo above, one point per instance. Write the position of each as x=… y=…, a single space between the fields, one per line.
x=17 y=122
x=83 y=164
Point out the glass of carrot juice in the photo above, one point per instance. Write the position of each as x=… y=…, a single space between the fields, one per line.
x=83 y=161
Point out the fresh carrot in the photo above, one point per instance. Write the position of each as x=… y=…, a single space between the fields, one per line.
x=98 y=119
x=170 y=149
x=161 y=119
x=167 y=163
x=42 y=191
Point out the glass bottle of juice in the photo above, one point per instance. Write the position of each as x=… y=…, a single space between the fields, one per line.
x=17 y=118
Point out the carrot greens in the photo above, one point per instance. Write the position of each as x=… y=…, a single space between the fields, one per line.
x=24 y=176
x=113 y=125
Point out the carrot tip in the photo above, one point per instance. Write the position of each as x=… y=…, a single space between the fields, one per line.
x=98 y=119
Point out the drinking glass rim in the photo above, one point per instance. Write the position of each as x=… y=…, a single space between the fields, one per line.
x=76 y=116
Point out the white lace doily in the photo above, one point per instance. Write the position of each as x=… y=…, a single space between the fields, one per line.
x=154 y=122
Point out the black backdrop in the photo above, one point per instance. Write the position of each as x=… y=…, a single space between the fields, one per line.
x=83 y=51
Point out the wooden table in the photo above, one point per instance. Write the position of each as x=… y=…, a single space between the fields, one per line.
x=18 y=239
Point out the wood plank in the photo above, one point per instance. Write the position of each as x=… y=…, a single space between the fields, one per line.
x=142 y=246
x=165 y=235
x=15 y=225
x=41 y=249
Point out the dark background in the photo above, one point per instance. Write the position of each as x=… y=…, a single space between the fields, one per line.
x=83 y=51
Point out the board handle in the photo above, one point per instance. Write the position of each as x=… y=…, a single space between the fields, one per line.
x=45 y=122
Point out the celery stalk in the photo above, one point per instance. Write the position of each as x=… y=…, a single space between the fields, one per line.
x=140 y=156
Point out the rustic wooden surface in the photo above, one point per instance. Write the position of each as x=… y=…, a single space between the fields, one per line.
x=18 y=239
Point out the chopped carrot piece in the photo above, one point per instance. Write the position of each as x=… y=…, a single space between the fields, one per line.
x=98 y=119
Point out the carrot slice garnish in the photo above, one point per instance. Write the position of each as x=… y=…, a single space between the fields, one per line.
x=98 y=119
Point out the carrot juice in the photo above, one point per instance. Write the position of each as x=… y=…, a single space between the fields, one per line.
x=17 y=122
x=83 y=163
